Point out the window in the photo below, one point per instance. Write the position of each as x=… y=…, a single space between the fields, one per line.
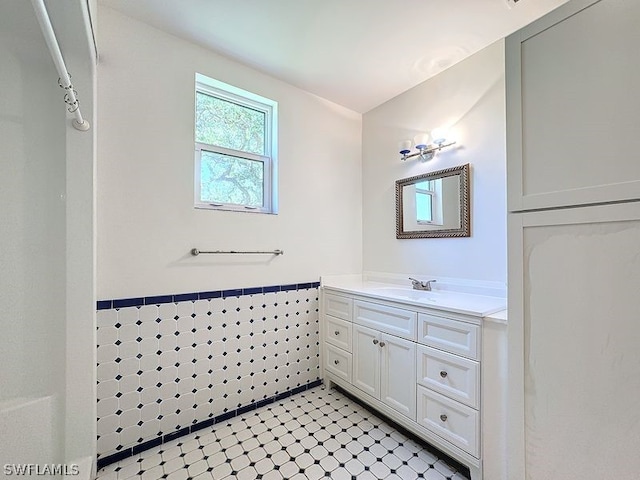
x=235 y=140
x=429 y=202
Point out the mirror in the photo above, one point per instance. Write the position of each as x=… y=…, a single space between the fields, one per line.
x=434 y=204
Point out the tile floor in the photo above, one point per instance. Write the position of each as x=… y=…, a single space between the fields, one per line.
x=315 y=434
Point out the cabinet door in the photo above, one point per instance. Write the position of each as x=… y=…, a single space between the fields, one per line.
x=573 y=343
x=573 y=107
x=366 y=360
x=398 y=374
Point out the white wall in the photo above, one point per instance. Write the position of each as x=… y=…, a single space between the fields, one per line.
x=146 y=221
x=73 y=30
x=469 y=97
x=47 y=296
x=32 y=239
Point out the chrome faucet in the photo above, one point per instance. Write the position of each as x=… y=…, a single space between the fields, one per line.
x=420 y=285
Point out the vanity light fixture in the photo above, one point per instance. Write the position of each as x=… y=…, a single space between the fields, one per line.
x=426 y=151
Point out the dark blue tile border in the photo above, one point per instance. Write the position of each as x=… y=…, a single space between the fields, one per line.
x=128 y=302
x=130 y=451
x=186 y=297
x=104 y=305
x=209 y=295
x=236 y=292
x=158 y=300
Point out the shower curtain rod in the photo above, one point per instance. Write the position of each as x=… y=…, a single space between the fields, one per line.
x=79 y=123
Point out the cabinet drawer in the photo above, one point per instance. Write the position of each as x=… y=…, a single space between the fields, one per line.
x=394 y=321
x=338 y=306
x=451 y=375
x=338 y=332
x=451 y=420
x=450 y=335
x=337 y=362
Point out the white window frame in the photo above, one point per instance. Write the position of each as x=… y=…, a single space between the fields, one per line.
x=436 y=202
x=224 y=91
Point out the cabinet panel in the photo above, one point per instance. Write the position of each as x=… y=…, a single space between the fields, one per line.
x=451 y=375
x=398 y=370
x=573 y=108
x=338 y=306
x=338 y=332
x=451 y=420
x=449 y=335
x=395 y=321
x=574 y=335
x=338 y=362
x=366 y=360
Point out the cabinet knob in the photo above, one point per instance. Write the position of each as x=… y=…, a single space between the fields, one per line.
x=443 y=417
x=381 y=344
x=443 y=374
x=375 y=341
x=336 y=362
x=336 y=333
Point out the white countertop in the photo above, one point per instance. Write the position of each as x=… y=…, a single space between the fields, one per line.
x=447 y=300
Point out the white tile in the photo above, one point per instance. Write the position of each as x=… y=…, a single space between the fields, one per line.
x=433 y=474
x=444 y=469
x=128 y=315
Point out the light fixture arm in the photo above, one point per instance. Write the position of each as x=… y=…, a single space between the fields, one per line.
x=428 y=152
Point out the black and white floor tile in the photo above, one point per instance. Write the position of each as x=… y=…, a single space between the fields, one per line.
x=316 y=434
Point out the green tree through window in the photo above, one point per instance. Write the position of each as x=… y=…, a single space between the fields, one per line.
x=235 y=148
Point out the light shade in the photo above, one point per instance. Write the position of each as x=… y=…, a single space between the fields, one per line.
x=421 y=140
x=404 y=147
x=439 y=135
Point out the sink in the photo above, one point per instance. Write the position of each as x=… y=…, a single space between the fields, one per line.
x=406 y=293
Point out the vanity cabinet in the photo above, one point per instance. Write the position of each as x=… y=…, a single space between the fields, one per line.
x=419 y=366
x=384 y=367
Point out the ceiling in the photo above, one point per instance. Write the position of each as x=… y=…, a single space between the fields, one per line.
x=357 y=53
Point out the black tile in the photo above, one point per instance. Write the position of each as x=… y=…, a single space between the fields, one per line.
x=314 y=384
x=204 y=424
x=211 y=294
x=158 y=300
x=251 y=291
x=286 y=288
x=237 y=292
x=147 y=445
x=185 y=297
x=271 y=289
x=266 y=401
x=103 y=305
x=245 y=409
x=116 y=457
x=173 y=435
x=225 y=416
x=128 y=302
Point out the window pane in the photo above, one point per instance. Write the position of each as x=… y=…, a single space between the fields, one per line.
x=424 y=209
x=231 y=180
x=229 y=125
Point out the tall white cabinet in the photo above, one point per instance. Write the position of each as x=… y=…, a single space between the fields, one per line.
x=573 y=114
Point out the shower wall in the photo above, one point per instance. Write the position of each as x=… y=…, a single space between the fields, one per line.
x=33 y=233
x=47 y=287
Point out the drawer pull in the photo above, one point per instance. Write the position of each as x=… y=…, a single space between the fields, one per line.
x=443 y=417
x=443 y=374
x=336 y=333
x=375 y=341
x=381 y=344
x=336 y=362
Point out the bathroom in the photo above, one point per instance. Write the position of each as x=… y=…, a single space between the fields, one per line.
x=120 y=308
